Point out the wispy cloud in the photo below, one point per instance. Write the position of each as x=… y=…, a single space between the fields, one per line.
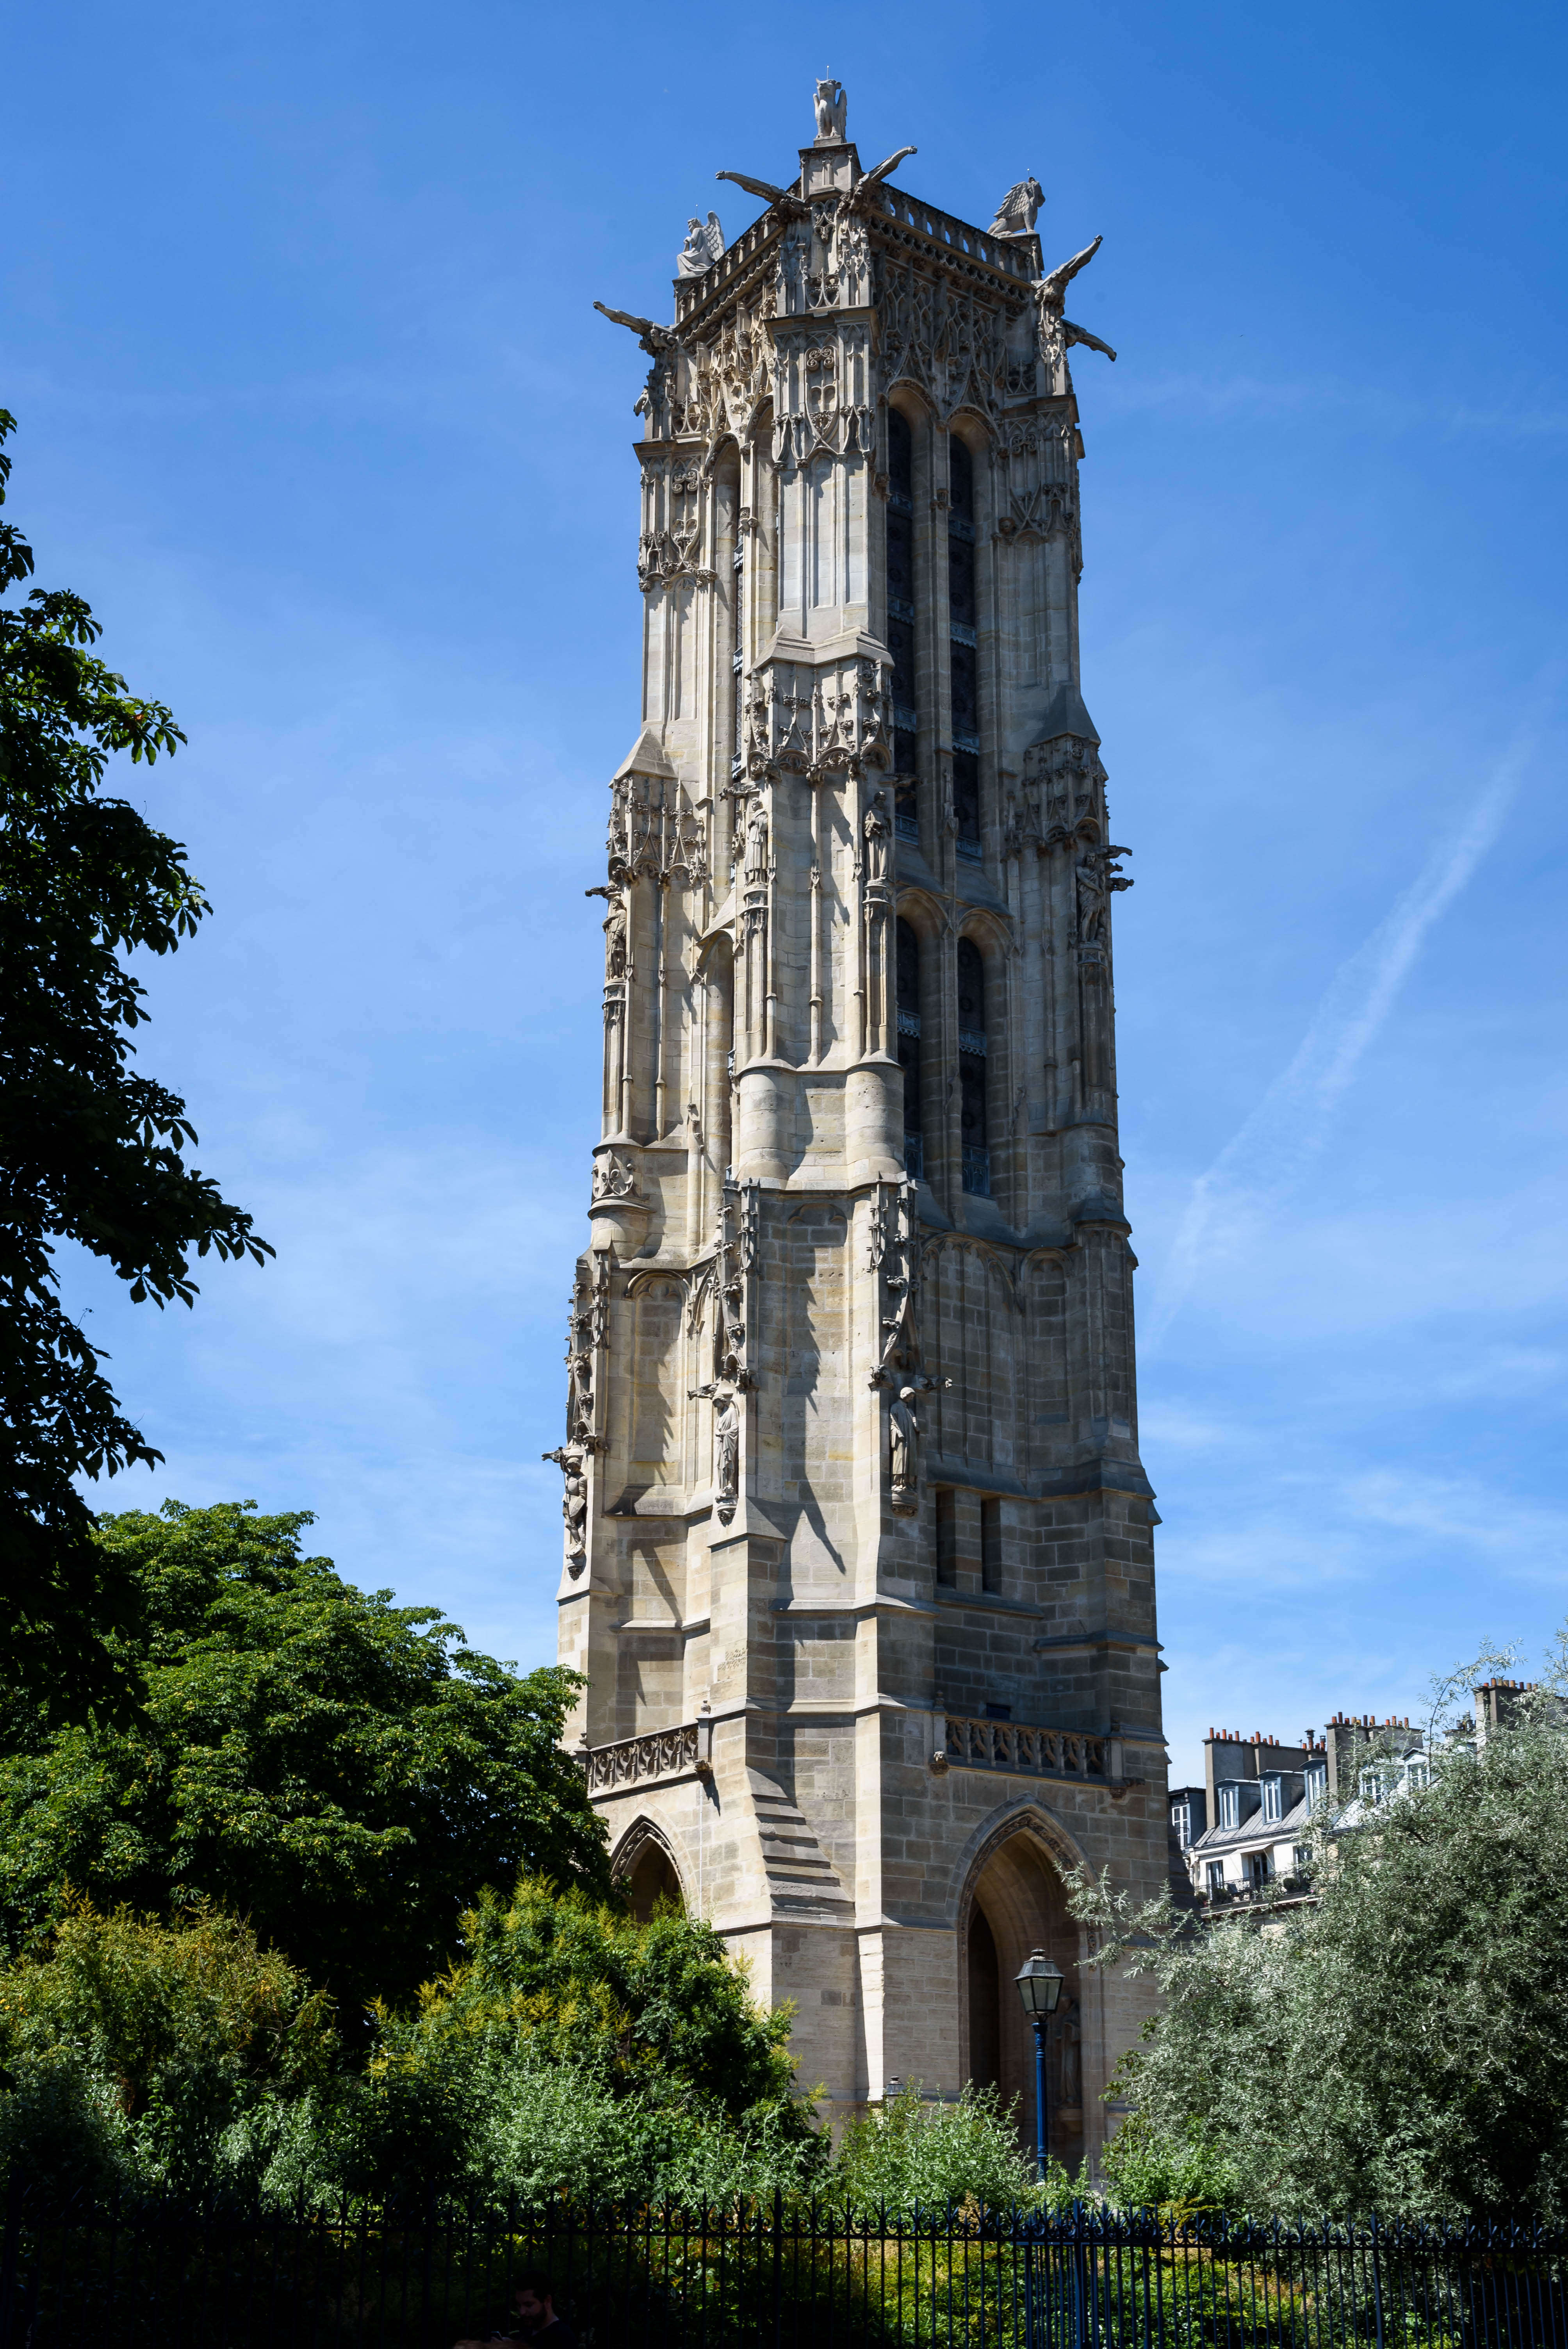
x=1522 y=1540
x=1271 y=1151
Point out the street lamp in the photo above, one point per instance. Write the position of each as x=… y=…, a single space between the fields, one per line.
x=1039 y=1986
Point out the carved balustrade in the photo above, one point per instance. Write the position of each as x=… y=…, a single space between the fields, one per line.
x=633 y=1761
x=1016 y=1746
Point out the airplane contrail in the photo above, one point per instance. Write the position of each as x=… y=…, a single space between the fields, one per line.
x=1272 y=1149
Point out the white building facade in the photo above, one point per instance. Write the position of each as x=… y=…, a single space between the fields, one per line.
x=859 y=1545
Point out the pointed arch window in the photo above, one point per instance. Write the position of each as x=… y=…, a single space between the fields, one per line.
x=908 y=992
x=975 y=1140
x=964 y=671
x=901 y=617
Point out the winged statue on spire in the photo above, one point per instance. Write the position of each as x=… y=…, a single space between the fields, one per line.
x=1057 y=333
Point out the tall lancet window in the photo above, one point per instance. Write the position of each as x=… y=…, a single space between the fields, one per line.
x=972 y=1068
x=963 y=657
x=909 y=1048
x=900 y=619
x=738 y=661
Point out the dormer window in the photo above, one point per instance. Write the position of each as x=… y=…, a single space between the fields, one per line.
x=1230 y=1796
x=1274 y=1800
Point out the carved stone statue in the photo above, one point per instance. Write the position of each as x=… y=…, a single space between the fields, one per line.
x=580 y=1398
x=1092 y=899
x=726 y=1448
x=1055 y=332
x=833 y=110
x=877 y=835
x=904 y=1430
x=703 y=246
x=573 y=1507
x=755 y=846
x=1097 y=878
x=1017 y=213
x=615 y=941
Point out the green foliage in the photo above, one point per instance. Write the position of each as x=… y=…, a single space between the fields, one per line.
x=132 y=2047
x=1399 y=2047
x=131 y=1996
x=1180 y=2173
x=659 y=2009
x=89 y=1151
x=490 y=2119
x=188 y=2057
x=345 y=1773
x=908 y=2154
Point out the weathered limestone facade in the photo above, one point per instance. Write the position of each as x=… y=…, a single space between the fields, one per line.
x=858 y=1551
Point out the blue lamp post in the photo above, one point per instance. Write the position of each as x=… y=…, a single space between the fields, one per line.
x=1039 y=1986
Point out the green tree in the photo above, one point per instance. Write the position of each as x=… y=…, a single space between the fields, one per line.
x=133 y=2049
x=1398 y=2047
x=571 y=2049
x=90 y=1152
x=345 y=1773
x=649 y=2008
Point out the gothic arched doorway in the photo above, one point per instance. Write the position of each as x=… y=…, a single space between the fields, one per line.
x=1014 y=1904
x=985 y=2004
x=651 y=1877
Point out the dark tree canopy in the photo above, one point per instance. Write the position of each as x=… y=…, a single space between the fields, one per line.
x=90 y=1150
x=346 y=1775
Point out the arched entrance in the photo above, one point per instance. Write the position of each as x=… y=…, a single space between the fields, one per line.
x=644 y=1867
x=1014 y=1903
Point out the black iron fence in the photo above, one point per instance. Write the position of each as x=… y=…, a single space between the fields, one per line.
x=771 y=2273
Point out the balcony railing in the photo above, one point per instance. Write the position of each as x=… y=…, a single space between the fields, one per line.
x=1013 y=1745
x=632 y=1761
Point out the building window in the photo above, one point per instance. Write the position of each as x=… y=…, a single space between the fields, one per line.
x=972 y=1068
x=1416 y=1774
x=1216 y=1874
x=738 y=663
x=1301 y=1859
x=901 y=617
x=1230 y=1794
x=1181 y=1824
x=947 y=1535
x=1317 y=1781
x=908 y=995
x=963 y=656
x=1260 y=1867
x=1274 y=1800
x=991 y=1545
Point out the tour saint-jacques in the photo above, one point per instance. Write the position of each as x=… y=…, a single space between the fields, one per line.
x=859 y=1555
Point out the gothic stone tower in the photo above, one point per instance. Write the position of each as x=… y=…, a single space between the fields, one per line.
x=859 y=1561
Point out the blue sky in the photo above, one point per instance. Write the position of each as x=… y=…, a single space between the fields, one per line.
x=294 y=316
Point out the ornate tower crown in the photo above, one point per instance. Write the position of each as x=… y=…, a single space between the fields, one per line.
x=859 y=1556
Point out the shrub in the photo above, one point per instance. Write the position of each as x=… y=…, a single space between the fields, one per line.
x=910 y=2154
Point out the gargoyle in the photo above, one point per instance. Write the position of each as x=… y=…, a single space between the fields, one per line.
x=884 y=171
x=657 y=341
x=784 y=201
x=1071 y=334
x=1049 y=293
x=1052 y=289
